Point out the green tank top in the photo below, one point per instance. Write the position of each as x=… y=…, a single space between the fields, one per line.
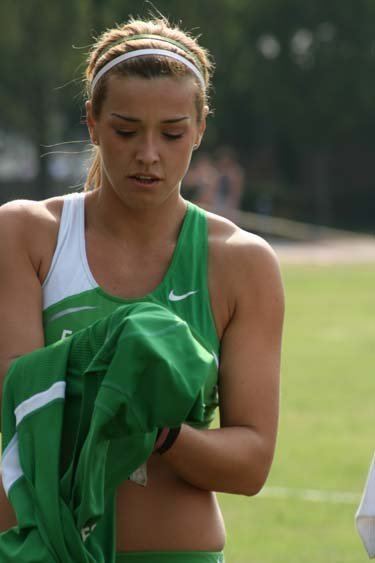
x=73 y=300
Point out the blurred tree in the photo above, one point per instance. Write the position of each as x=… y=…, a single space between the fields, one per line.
x=309 y=69
x=37 y=59
x=294 y=79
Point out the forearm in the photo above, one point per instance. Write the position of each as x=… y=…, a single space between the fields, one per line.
x=4 y=367
x=7 y=515
x=231 y=460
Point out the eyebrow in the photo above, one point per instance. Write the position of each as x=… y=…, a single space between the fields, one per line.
x=135 y=120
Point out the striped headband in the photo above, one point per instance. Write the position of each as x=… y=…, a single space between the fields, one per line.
x=144 y=52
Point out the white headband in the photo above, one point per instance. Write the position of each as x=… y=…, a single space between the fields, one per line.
x=141 y=53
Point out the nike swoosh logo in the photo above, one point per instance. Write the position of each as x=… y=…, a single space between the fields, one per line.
x=173 y=297
x=69 y=312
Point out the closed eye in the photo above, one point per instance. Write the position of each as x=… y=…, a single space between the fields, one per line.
x=169 y=136
x=125 y=133
x=173 y=136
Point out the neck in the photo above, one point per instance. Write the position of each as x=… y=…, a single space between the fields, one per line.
x=143 y=225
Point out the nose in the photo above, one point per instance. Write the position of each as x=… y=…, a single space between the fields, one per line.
x=147 y=151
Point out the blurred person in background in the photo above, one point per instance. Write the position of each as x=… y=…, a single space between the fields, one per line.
x=130 y=236
x=230 y=183
x=200 y=183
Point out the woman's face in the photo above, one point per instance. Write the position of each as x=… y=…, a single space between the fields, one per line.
x=146 y=132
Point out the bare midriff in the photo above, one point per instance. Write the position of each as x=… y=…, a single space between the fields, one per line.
x=167 y=514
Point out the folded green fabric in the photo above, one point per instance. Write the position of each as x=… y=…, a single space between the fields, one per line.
x=80 y=416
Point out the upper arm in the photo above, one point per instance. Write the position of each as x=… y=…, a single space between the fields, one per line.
x=251 y=344
x=20 y=290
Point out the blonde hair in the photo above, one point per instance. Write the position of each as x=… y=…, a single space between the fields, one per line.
x=113 y=43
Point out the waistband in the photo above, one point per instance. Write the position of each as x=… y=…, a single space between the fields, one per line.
x=170 y=557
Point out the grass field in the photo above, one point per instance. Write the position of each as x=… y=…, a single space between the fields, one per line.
x=327 y=425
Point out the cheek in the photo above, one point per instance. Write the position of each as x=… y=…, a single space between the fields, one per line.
x=113 y=152
x=180 y=161
x=185 y=149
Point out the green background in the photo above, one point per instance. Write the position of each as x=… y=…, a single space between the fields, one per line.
x=293 y=94
x=326 y=435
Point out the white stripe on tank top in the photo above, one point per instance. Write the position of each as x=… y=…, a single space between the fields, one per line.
x=69 y=273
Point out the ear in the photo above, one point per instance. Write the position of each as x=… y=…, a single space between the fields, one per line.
x=201 y=129
x=91 y=122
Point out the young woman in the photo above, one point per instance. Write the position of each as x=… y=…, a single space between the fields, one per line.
x=130 y=236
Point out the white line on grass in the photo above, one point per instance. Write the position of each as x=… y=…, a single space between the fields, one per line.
x=313 y=495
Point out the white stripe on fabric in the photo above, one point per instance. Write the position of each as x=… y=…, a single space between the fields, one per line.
x=56 y=391
x=216 y=359
x=69 y=311
x=11 y=467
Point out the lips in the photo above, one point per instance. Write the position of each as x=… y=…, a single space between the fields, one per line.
x=147 y=178
x=144 y=180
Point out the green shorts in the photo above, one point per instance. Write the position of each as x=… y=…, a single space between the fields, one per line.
x=170 y=557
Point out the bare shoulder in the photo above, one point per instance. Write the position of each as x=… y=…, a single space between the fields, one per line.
x=244 y=275
x=31 y=226
x=242 y=257
x=15 y=213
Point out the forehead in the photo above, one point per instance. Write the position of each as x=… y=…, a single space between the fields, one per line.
x=143 y=98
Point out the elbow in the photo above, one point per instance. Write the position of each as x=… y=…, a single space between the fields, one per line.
x=254 y=486
x=255 y=474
